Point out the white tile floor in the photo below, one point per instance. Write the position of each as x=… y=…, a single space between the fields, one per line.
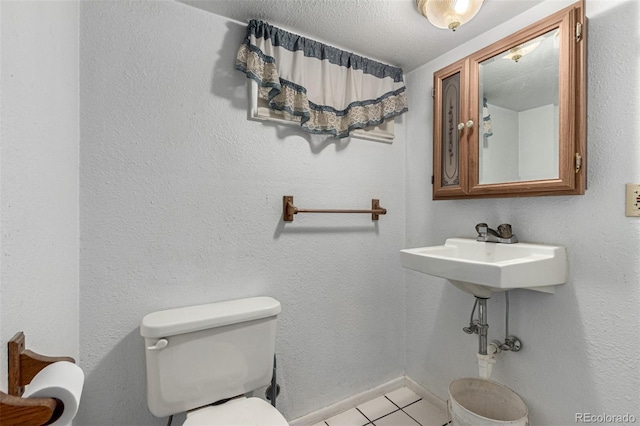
x=401 y=407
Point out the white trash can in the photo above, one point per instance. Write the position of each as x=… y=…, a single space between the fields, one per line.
x=481 y=402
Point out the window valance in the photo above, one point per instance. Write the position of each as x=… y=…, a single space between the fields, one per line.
x=326 y=89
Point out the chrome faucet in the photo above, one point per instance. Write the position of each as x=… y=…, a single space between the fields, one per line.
x=503 y=235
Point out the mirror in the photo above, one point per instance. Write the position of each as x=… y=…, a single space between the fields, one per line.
x=519 y=114
x=510 y=119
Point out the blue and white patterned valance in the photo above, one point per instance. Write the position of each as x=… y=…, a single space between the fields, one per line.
x=487 y=129
x=326 y=89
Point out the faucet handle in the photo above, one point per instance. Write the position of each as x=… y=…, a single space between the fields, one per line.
x=482 y=228
x=505 y=231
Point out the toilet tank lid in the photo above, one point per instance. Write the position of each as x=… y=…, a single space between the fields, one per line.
x=201 y=317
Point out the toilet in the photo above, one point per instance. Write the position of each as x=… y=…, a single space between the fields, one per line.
x=213 y=353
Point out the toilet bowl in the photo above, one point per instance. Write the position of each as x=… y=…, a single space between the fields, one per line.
x=237 y=412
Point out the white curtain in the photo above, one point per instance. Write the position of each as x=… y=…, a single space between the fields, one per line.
x=326 y=89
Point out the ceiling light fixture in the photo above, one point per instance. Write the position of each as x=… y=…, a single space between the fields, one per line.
x=449 y=13
x=516 y=53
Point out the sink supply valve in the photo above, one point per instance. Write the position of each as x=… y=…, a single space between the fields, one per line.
x=511 y=343
x=472 y=329
x=473 y=324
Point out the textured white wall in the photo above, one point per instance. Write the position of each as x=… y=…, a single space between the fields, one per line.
x=39 y=191
x=581 y=344
x=181 y=204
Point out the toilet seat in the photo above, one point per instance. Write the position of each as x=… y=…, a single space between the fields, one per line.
x=237 y=412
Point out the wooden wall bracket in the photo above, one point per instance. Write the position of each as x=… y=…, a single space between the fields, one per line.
x=23 y=367
x=16 y=411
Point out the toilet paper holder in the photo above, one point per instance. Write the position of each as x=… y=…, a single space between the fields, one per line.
x=23 y=366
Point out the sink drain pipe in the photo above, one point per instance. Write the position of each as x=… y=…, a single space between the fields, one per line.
x=479 y=326
x=486 y=351
x=483 y=327
x=485 y=360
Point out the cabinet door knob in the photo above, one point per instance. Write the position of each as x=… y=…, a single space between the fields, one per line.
x=460 y=126
x=470 y=123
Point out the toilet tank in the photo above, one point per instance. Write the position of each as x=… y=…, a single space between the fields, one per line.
x=201 y=354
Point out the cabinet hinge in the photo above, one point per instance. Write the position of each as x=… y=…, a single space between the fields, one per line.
x=433 y=92
x=578 y=31
x=432 y=180
x=578 y=162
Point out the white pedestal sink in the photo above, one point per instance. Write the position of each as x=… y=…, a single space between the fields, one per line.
x=482 y=268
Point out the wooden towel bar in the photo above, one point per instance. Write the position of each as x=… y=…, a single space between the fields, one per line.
x=23 y=367
x=288 y=209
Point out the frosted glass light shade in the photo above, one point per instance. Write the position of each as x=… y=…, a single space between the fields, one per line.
x=449 y=13
x=516 y=53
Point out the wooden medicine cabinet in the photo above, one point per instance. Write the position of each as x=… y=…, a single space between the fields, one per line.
x=510 y=119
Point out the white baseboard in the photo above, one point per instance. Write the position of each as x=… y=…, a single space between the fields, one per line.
x=426 y=394
x=354 y=401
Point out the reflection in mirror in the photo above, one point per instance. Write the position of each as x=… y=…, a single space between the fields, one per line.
x=519 y=95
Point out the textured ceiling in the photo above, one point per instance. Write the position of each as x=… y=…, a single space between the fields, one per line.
x=391 y=31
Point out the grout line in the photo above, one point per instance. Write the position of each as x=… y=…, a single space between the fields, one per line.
x=365 y=416
x=399 y=407
x=402 y=409
x=410 y=414
x=411 y=403
x=382 y=417
x=414 y=402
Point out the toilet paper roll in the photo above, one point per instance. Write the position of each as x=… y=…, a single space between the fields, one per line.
x=62 y=380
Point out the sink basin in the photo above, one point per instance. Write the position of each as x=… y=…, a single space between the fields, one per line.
x=482 y=268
